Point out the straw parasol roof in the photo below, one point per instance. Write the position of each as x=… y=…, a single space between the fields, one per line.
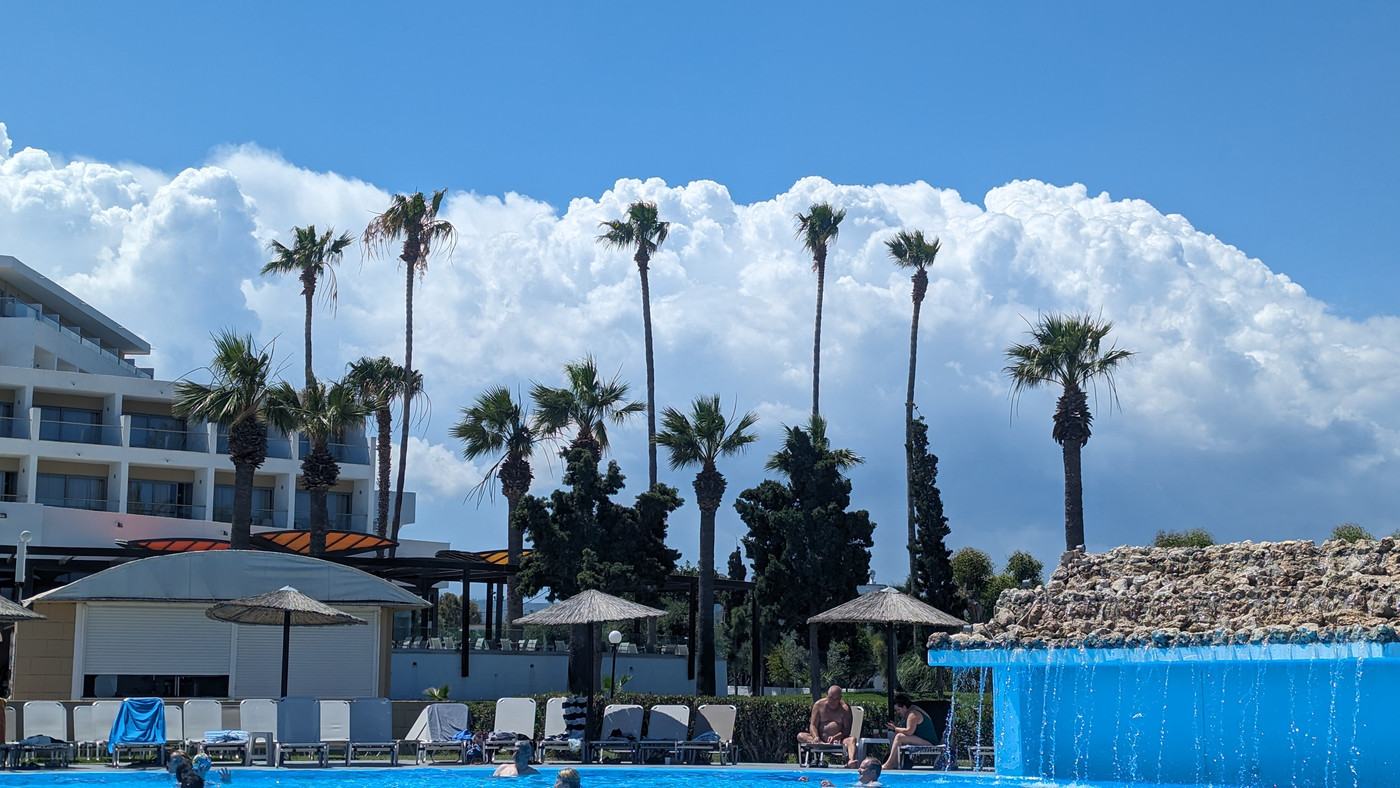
x=279 y=608
x=887 y=606
x=9 y=611
x=589 y=607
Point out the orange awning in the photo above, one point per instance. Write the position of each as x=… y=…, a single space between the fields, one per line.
x=337 y=542
x=178 y=544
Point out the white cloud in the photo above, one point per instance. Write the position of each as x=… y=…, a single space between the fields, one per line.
x=1241 y=380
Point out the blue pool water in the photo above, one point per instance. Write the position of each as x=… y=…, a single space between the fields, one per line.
x=593 y=777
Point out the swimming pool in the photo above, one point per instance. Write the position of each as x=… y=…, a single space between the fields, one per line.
x=593 y=777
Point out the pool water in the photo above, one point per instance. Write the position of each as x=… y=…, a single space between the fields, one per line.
x=593 y=777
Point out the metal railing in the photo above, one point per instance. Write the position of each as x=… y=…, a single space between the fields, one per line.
x=179 y=511
x=77 y=432
x=348 y=453
x=266 y=518
x=14 y=427
x=91 y=504
x=338 y=522
x=169 y=440
x=280 y=448
x=13 y=307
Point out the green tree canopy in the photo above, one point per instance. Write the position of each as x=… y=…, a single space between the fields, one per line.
x=809 y=552
x=1351 y=532
x=1196 y=537
x=972 y=574
x=933 y=573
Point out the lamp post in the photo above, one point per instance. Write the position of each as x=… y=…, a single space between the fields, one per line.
x=614 y=637
x=21 y=557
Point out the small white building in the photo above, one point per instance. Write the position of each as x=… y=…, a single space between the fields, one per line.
x=139 y=628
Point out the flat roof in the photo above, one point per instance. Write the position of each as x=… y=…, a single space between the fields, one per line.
x=31 y=286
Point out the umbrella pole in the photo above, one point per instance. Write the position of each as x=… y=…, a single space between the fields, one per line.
x=286 y=647
x=890 y=676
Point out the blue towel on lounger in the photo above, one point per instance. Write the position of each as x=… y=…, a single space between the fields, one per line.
x=139 y=721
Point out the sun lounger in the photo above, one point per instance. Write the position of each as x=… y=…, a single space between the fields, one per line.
x=45 y=733
x=174 y=726
x=299 y=730
x=202 y=716
x=104 y=713
x=258 y=716
x=714 y=732
x=515 y=720
x=808 y=754
x=335 y=725
x=621 y=730
x=139 y=727
x=667 y=726
x=562 y=732
x=371 y=730
x=438 y=730
x=84 y=735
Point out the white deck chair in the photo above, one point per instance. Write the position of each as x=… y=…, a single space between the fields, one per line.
x=434 y=642
x=259 y=715
x=556 y=729
x=506 y=645
x=514 y=716
x=682 y=650
x=719 y=720
x=201 y=715
x=299 y=730
x=84 y=735
x=174 y=726
x=422 y=732
x=104 y=715
x=533 y=645
x=335 y=724
x=11 y=731
x=667 y=726
x=142 y=743
x=371 y=730
x=46 y=718
x=560 y=645
x=808 y=754
x=621 y=730
x=480 y=644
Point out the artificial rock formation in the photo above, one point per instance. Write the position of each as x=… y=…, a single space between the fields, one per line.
x=1232 y=594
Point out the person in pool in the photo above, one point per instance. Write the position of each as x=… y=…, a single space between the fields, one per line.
x=869 y=774
x=520 y=763
x=917 y=728
x=568 y=778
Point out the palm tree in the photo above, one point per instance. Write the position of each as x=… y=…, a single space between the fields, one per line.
x=320 y=412
x=311 y=257
x=645 y=232
x=701 y=439
x=1067 y=351
x=587 y=403
x=496 y=425
x=236 y=401
x=781 y=460
x=910 y=250
x=380 y=381
x=413 y=218
x=817 y=230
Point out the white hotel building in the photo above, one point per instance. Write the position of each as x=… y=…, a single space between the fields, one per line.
x=91 y=454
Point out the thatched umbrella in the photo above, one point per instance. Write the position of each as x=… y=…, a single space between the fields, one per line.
x=285 y=607
x=889 y=607
x=589 y=607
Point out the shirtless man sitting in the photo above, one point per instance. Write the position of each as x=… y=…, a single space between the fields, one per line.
x=831 y=724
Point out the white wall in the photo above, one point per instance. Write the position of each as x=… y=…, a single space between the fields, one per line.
x=496 y=674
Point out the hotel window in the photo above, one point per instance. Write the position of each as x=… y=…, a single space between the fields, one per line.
x=70 y=425
x=7 y=413
x=162 y=499
x=157 y=432
x=71 y=492
x=126 y=686
x=9 y=486
x=262 y=504
x=338 y=505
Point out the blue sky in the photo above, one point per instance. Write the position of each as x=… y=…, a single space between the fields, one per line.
x=1269 y=126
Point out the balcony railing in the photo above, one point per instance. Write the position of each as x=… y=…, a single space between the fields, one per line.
x=169 y=440
x=266 y=518
x=91 y=504
x=13 y=307
x=14 y=427
x=348 y=453
x=179 y=511
x=13 y=498
x=338 y=522
x=77 y=432
x=280 y=448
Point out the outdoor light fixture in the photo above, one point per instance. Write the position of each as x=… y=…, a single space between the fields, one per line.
x=614 y=637
x=21 y=554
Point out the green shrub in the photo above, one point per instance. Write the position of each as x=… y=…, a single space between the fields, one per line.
x=1351 y=532
x=1196 y=537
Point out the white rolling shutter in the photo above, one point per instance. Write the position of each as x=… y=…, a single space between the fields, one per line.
x=146 y=639
x=325 y=662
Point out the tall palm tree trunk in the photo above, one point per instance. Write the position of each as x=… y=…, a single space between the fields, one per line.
x=817 y=335
x=384 y=441
x=320 y=520
x=310 y=376
x=920 y=280
x=651 y=370
x=240 y=531
x=515 y=544
x=1074 y=496
x=407 y=401
x=709 y=489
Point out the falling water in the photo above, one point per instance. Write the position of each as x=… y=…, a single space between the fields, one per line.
x=1044 y=709
x=1162 y=741
x=981 y=697
x=1355 y=722
x=1329 y=775
x=1118 y=724
x=952 y=724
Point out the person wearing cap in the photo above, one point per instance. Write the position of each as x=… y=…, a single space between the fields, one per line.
x=520 y=763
